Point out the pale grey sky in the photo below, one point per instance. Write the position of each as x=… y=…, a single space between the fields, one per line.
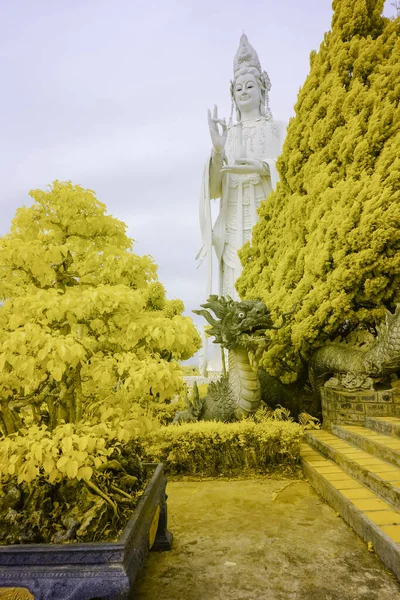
x=112 y=95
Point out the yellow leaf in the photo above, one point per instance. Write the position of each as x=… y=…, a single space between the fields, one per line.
x=31 y=472
x=72 y=469
x=80 y=456
x=66 y=445
x=84 y=473
x=38 y=453
x=62 y=463
x=57 y=373
x=53 y=476
x=81 y=330
x=82 y=443
x=105 y=378
x=42 y=354
x=63 y=352
x=48 y=464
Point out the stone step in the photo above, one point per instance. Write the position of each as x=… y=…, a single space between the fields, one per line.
x=373 y=519
x=381 y=477
x=379 y=444
x=386 y=425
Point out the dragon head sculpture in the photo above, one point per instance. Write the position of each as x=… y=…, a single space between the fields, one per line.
x=235 y=320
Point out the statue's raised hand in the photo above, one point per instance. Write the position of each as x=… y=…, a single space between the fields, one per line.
x=218 y=139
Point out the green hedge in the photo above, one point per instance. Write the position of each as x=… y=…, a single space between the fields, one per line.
x=211 y=448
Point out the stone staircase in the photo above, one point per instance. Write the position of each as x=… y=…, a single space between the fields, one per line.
x=356 y=469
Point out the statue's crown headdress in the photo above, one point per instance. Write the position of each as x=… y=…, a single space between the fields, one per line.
x=245 y=56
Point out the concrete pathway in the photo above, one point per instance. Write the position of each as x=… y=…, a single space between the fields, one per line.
x=264 y=539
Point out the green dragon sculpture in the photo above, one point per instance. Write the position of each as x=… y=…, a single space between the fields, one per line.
x=352 y=367
x=237 y=326
x=241 y=326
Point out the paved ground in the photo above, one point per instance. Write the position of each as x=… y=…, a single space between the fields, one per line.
x=261 y=539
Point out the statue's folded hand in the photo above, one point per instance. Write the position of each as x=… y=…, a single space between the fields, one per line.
x=245 y=166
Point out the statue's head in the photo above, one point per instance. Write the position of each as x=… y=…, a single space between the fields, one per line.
x=250 y=85
x=246 y=91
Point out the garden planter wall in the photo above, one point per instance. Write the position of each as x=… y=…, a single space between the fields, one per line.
x=340 y=407
x=98 y=571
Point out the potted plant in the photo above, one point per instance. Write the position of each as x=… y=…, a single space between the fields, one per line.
x=87 y=337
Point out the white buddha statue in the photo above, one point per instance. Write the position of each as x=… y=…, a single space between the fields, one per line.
x=241 y=170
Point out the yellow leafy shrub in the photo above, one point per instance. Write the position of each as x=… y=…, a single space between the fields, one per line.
x=84 y=321
x=69 y=451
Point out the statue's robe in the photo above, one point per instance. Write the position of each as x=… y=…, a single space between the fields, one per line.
x=240 y=197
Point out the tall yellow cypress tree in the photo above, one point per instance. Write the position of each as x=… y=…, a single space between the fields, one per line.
x=328 y=238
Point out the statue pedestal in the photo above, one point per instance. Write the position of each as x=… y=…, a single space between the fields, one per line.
x=340 y=407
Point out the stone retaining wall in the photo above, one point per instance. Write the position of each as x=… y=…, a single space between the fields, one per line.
x=350 y=408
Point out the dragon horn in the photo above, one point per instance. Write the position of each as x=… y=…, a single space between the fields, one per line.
x=210 y=299
x=206 y=315
x=218 y=306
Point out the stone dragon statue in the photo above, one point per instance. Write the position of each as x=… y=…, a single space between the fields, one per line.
x=242 y=326
x=238 y=326
x=351 y=367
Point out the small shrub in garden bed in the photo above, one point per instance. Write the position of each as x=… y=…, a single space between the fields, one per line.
x=214 y=448
x=75 y=483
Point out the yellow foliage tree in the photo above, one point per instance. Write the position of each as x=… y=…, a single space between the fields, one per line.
x=85 y=327
x=328 y=238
